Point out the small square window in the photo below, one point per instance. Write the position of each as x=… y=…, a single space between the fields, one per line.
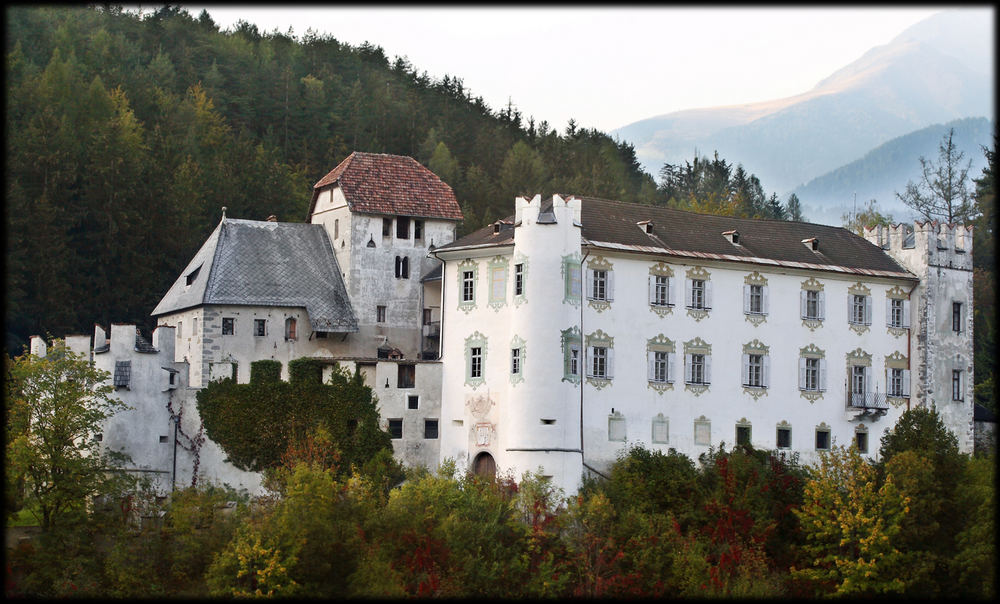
x=99 y=437
x=163 y=438
x=260 y=327
x=413 y=401
x=742 y=435
x=861 y=441
x=228 y=326
x=822 y=440
x=396 y=428
x=430 y=428
x=784 y=438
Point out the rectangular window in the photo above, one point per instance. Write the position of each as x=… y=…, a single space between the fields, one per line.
x=659 y=366
x=697 y=369
x=743 y=435
x=320 y=335
x=172 y=379
x=956 y=317
x=123 y=373
x=812 y=305
x=163 y=438
x=260 y=327
x=396 y=428
x=574 y=360
x=784 y=438
x=194 y=326
x=180 y=329
x=380 y=314
x=756 y=302
x=755 y=370
x=822 y=440
x=386 y=227
x=406 y=375
x=418 y=229
x=599 y=289
x=498 y=284
x=616 y=428
x=861 y=441
x=697 y=293
x=476 y=365
x=895 y=382
x=412 y=401
x=518 y=279
x=427 y=316
x=895 y=313
x=467 y=286
x=290 y=329
x=430 y=428
x=859 y=383
x=515 y=360
x=599 y=362
x=661 y=291
x=402 y=227
x=956 y=385
x=858 y=309
x=575 y=281
x=228 y=326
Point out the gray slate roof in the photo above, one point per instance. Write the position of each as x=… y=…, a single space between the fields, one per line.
x=614 y=225
x=259 y=263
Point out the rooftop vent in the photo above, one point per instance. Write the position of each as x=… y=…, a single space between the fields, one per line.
x=732 y=236
x=811 y=243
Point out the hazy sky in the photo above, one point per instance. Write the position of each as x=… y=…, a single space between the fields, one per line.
x=605 y=67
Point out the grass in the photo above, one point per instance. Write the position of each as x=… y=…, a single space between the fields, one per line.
x=24 y=517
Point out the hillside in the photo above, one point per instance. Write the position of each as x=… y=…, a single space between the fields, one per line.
x=934 y=72
x=887 y=168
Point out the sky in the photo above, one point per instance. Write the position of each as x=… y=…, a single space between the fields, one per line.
x=604 y=67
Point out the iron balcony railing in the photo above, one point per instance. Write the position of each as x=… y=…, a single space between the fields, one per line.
x=432 y=329
x=867 y=400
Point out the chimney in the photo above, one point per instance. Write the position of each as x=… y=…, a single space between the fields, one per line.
x=272 y=218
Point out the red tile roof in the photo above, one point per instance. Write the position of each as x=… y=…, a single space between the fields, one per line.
x=378 y=183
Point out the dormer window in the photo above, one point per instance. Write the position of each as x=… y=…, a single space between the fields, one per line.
x=646 y=226
x=732 y=236
x=189 y=279
x=811 y=243
x=496 y=228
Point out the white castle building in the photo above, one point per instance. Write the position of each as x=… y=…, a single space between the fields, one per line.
x=554 y=338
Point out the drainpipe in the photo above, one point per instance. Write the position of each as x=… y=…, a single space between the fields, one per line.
x=583 y=357
x=909 y=354
x=173 y=473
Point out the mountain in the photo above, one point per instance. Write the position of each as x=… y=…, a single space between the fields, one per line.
x=936 y=71
x=887 y=168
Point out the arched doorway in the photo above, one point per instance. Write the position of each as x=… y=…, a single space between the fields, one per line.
x=484 y=465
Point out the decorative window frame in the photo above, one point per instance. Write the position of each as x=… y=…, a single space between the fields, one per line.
x=570 y=263
x=822 y=427
x=567 y=338
x=814 y=352
x=698 y=272
x=897 y=293
x=615 y=418
x=475 y=340
x=497 y=263
x=521 y=298
x=662 y=269
x=660 y=420
x=757 y=347
x=897 y=360
x=703 y=421
x=783 y=425
x=518 y=342
x=600 y=263
x=859 y=289
x=600 y=339
x=862 y=429
x=742 y=423
x=468 y=264
x=661 y=343
x=755 y=278
x=811 y=284
x=698 y=346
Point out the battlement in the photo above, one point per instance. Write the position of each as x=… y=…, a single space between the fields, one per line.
x=936 y=243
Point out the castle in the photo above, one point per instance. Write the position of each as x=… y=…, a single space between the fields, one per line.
x=553 y=338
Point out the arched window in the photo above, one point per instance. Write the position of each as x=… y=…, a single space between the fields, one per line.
x=402 y=267
x=290 y=328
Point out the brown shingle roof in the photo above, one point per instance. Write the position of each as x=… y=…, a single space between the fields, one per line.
x=378 y=183
x=615 y=225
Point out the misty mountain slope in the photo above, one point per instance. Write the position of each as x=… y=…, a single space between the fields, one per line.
x=887 y=168
x=933 y=72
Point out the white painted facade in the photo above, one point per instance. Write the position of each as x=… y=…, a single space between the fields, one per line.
x=533 y=420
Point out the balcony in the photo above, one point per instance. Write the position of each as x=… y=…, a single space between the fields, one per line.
x=432 y=329
x=873 y=403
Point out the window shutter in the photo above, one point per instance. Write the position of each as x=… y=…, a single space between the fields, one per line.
x=688 y=293
x=802 y=373
x=821 y=303
x=651 y=284
x=868 y=380
x=609 y=286
x=687 y=368
x=746 y=300
x=610 y=363
x=746 y=369
x=590 y=284
x=766 y=377
x=888 y=313
x=651 y=364
x=906 y=313
x=708 y=294
x=822 y=375
x=671 y=376
x=906 y=382
x=868 y=310
x=802 y=303
x=708 y=369
x=850 y=308
x=590 y=361
x=671 y=294
x=764 y=306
